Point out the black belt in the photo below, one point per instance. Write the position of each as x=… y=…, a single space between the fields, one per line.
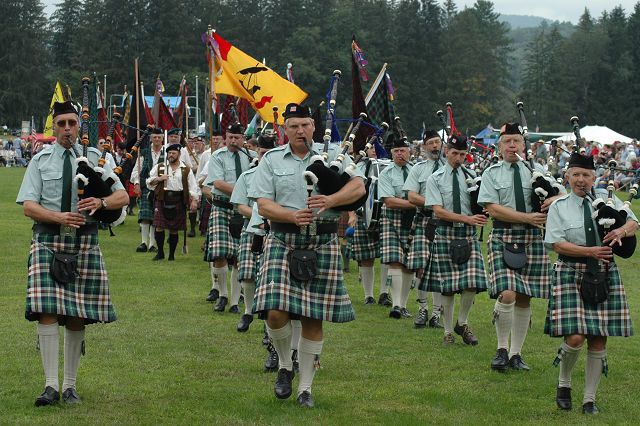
x=425 y=213
x=52 y=229
x=498 y=224
x=292 y=228
x=572 y=259
x=222 y=204
x=173 y=196
x=449 y=224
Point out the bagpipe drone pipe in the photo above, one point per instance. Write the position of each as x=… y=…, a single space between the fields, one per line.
x=93 y=181
x=606 y=215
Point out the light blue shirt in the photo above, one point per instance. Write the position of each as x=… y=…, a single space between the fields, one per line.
x=440 y=190
x=241 y=188
x=497 y=186
x=222 y=166
x=391 y=181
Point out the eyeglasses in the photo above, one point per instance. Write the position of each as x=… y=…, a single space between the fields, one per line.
x=63 y=123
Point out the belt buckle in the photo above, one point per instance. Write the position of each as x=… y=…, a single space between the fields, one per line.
x=313 y=228
x=458 y=224
x=67 y=231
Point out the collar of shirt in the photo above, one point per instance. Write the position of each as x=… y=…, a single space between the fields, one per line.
x=287 y=151
x=577 y=200
x=59 y=150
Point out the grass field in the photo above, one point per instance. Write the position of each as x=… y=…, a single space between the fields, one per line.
x=170 y=359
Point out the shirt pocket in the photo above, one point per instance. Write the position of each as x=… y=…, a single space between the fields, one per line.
x=505 y=191
x=574 y=233
x=398 y=184
x=52 y=184
x=285 y=179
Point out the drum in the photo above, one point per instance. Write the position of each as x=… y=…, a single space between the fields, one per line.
x=373 y=206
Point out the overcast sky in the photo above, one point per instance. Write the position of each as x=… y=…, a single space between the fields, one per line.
x=561 y=10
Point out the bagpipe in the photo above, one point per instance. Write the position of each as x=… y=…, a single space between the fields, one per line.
x=93 y=182
x=543 y=186
x=331 y=178
x=606 y=215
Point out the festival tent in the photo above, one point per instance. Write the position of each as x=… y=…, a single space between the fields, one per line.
x=488 y=135
x=601 y=134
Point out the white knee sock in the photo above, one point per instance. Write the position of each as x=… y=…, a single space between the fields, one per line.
x=466 y=302
x=281 y=341
x=220 y=275
x=152 y=236
x=249 y=288
x=368 y=275
x=423 y=299
x=214 y=283
x=235 y=287
x=448 y=303
x=384 y=274
x=396 y=286
x=296 y=330
x=309 y=359
x=144 y=231
x=407 y=280
x=592 y=374
x=519 y=328
x=437 y=302
x=569 y=357
x=72 y=353
x=49 y=340
x=503 y=317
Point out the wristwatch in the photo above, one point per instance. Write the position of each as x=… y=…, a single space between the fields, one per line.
x=104 y=203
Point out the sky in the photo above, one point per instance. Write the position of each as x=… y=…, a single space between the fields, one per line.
x=561 y=10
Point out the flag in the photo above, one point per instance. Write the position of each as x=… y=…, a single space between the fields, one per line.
x=95 y=103
x=58 y=96
x=227 y=115
x=180 y=114
x=138 y=108
x=160 y=113
x=290 y=72
x=358 y=105
x=251 y=128
x=318 y=133
x=360 y=61
x=242 y=109
x=238 y=74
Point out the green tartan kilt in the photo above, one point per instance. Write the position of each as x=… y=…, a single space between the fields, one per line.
x=364 y=244
x=219 y=244
x=444 y=276
x=534 y=279
x=567 y=314
x=86 y=297
x=394 y=237
x=419 y=251
x=247 y=261
x=145 y=206
x=324 y=297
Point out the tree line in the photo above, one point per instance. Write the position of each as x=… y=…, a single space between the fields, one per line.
x=436 y=53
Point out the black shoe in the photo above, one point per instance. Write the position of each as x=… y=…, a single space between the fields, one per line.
x=271 y=363
x=421 y=318
x=265 y=339
x=405 y=313
x=282 y=388
x=563 y=398
x=305 y=400
x=467 y=335
x=369 y=301
x=234 y=309
x=501 y=361
x=142 y=248
x=243 y=325
x=384 y=299
x=294 y=360
x=153 y=249
x=396 y=312
x=50 y=396
x=517 y=363
x=213 y=295
x=191 y=234
x=158 y=256
x=70 y=396
x=434 y=322
x=590 y=408
x=222 y=302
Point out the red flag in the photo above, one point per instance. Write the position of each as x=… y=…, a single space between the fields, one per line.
x=243 y=112
x=226 y=114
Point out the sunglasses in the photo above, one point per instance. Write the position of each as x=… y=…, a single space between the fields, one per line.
x=63 y=123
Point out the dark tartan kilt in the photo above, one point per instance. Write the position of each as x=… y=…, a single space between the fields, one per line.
x=205 y=212
x=567 y=314
x=394 y=237
x=247 y=261
x=219 y=244
x=443 y=275
x=534 y=279
x=179 y=223
x=419 y=251
x=364 y=244
x=324 y=297
x=145 y=206
x=87 y=297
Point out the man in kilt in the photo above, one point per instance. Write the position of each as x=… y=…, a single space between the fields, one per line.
x=147 y=160
x=205 y=204
x=396 y=218
x=365 y=246
x=64 y=227
x=225 y=223
x=418 y=258
x=301 y=272
x=505 y=192
x=174 y=190
x=571 y=232
x=456 y=264
x=248 y=253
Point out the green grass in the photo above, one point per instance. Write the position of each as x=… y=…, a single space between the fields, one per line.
x=170 y=359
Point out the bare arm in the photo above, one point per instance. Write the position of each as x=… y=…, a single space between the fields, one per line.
x=351 y=192
x=416 y=199
x=507 y=214
x=245 y=210
x=398 y=203
x=223 y=186
x=273 y=211
x=597 y=252
x=444 y=214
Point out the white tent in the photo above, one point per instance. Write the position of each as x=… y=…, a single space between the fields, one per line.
x=601 y=134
